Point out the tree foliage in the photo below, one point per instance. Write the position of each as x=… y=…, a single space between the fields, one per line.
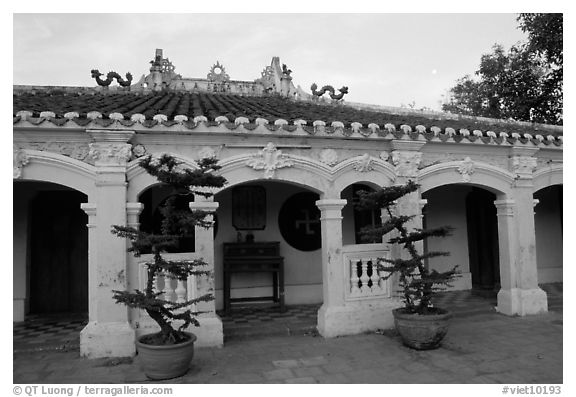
x=418 y=282
x=523 y=83
x=175 y=224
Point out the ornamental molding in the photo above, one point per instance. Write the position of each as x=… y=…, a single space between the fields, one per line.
x=406 y=162
x=406 y=145
x=206 y=152
x=110 y=153
x=269 y=159
x=466 y=169
x=504 y=207
x=364 y=163
x=19 y=160
x=523 y=166
x=75 y=150
x=139 y=150
x=329 y=157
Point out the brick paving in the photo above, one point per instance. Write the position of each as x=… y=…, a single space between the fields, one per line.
x=482 y=346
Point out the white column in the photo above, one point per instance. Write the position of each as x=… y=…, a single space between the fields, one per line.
x=519 y=293
x=333 y=276
x=108 y=332
x=210 y=332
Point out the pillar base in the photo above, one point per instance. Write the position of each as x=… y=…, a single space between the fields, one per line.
x=522 y=302
x=18 y=310
x=210 y=333
x=107 y=340
x=356 y=317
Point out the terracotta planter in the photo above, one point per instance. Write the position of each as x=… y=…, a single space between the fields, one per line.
x=166 y=362
x=421 y=332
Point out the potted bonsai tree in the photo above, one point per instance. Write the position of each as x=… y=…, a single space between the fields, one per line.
x=168 y=353
x=420 y=324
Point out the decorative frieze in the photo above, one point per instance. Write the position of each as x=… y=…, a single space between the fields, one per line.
x=269 y=159
x=139 y=150
x=110 y=153
x=406 y=163
x=329 y=157
x=466 y=169
x=364 y=164
x=206 y=153
x=19 y=160
x=523 y=166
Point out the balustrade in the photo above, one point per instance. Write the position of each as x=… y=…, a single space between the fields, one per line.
x=364 y=278
x=172 y=290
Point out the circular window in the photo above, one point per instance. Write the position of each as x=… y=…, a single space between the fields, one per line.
x=299 y=221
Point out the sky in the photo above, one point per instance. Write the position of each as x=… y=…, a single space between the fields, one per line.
x=384 y=59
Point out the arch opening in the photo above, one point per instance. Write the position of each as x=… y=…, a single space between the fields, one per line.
x=473 y=245
x=155 y=198
x=548 y=222
x=50 y=250
x=355 y=219
x=268 y=212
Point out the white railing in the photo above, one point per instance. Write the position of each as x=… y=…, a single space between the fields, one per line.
x=172 y=289
x=364 y=280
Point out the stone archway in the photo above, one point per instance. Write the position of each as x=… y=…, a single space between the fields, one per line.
x=50 y=250
x=519 y=292
x=548 y=220
x=286 y=208
x=473 y=244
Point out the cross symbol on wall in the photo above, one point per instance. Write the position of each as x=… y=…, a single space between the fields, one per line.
x=306 y=222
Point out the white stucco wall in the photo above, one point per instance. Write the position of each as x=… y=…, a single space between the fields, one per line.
x=548 y=236
x=302 y=270
x=447 y=207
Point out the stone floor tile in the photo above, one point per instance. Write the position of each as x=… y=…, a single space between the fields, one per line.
x=333 y=378
x=308 y=371
x=286 y=363
x=247 y=378
x=308 y=379
x=312 y=361
x=278 y=374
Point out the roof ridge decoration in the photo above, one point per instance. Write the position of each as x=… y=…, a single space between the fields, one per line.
x=218 y=73
x=330 y=89
x=110 y=77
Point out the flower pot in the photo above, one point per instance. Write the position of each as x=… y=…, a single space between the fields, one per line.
x=166 y=361
x=422 y=332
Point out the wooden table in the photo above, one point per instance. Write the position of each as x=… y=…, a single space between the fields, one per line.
x=261 y=257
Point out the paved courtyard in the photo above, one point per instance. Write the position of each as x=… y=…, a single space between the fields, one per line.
x=481 y=347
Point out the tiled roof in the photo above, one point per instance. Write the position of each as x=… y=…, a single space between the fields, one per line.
x=128 y=107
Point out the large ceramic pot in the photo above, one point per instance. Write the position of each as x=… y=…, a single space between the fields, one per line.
x=421 y=332
x=167 y=361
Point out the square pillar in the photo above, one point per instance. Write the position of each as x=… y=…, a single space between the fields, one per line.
x=519 y=293
x=211 y=331
x=108 y=332
x=339 y=316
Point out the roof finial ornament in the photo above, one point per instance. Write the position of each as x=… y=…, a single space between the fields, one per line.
x=111 y=76
x=285 y=70
x=333 y=95
x=218 y=73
